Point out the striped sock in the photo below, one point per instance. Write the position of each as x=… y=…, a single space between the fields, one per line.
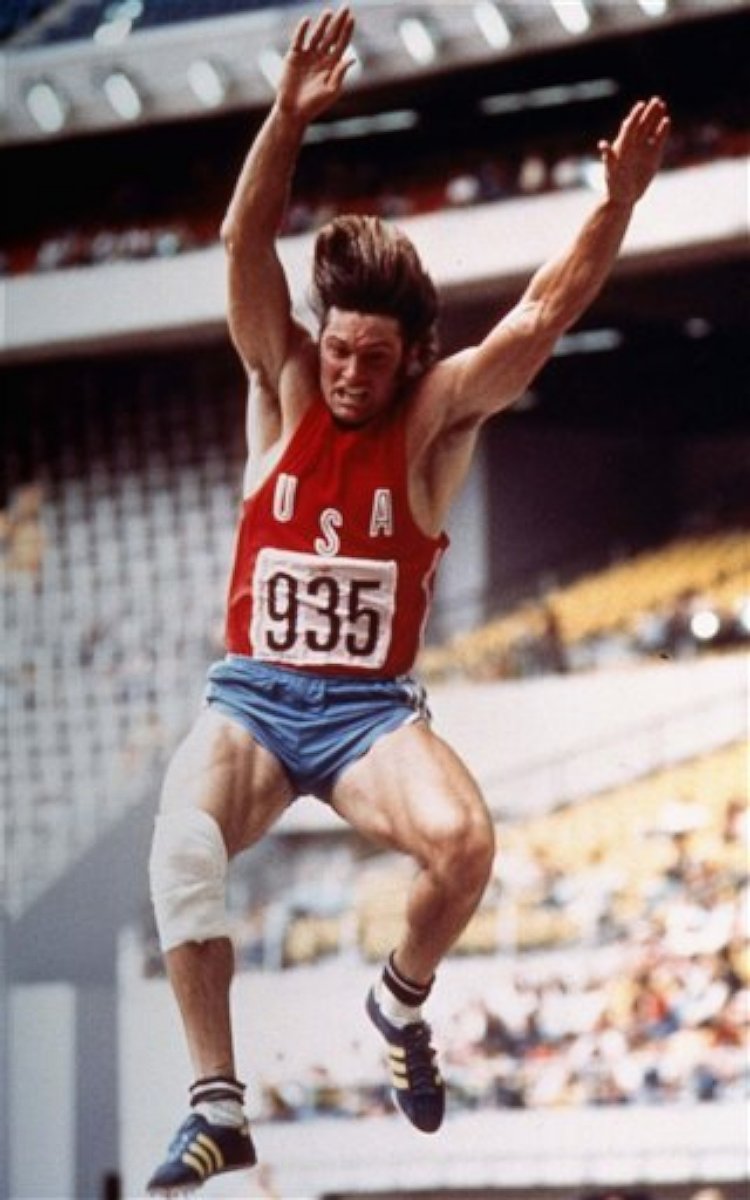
x=399 y=997
x=219 y=1099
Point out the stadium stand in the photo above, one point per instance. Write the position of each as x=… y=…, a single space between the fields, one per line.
x=82 y=18
x=102 y=664
x=422 y=182
x=691 y=593
x=17 y=15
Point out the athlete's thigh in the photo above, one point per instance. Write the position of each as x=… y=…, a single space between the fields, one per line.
x=410 y=789
x=222 y=769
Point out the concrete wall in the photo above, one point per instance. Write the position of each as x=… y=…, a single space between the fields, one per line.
x=42 y=1091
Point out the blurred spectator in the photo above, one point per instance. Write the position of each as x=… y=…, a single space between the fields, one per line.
x=550 y=645
x=22 y=531
x=463 y=189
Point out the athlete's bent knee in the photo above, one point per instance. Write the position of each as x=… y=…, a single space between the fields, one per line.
x=478 y=847
x=468 y=859
x=187 y=871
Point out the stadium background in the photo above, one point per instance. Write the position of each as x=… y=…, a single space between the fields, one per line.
x=588 y=646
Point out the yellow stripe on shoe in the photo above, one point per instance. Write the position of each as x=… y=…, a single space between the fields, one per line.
x=397 y=1067
x=204 y=1156
x=213 y=1149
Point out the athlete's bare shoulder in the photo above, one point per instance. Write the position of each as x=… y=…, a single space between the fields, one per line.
x=440 y=442
x=432 y=401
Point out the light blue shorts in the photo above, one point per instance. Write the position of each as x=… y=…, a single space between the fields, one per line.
x=315 y=725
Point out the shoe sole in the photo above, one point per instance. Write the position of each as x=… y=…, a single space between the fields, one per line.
x=189 y=1189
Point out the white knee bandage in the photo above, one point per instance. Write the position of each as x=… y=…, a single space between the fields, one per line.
x=188 y=870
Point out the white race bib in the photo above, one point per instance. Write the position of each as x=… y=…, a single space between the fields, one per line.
x=311 y=611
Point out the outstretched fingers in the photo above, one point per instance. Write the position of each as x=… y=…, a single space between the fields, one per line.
x=647 y=123
x=645 y=127
x=316 y=64
x=300 y=36
x=320 y=31
x=654 y=122
x=329 y=35
x=632 y=159
x=341 y=32
x=661 y=132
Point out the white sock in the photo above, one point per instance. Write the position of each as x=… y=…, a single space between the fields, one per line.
x=219 y=1099
x=222 y=1112
x=392 y=1008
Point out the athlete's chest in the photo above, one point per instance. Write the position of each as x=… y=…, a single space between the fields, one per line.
x=339 y=490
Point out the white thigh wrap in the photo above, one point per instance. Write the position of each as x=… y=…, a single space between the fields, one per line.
x=188 y=870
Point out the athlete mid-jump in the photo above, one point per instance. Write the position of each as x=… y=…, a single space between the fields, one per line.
x=358 y=444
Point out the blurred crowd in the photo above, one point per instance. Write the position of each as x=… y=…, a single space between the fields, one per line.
x=663 y=1030
x=410 y=185
x=658 y=1015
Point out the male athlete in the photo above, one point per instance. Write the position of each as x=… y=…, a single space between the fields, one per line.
x=358 y=443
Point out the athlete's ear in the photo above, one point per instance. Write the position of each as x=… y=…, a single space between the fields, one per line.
x=412 y=362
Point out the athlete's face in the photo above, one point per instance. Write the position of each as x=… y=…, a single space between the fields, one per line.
x=362 y=359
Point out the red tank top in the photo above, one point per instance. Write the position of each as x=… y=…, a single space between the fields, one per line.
x=331 y=573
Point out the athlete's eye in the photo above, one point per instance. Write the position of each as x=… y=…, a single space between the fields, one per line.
x=377 y=358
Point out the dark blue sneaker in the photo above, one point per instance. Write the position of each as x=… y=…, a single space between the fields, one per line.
x=198 y=1151
x=418 y=1088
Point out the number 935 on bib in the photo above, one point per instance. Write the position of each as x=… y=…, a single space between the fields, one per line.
x=310 y=611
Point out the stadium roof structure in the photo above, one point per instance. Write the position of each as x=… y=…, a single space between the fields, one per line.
x=82 y=66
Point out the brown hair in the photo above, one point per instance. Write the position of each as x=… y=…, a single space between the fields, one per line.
x=362 y=264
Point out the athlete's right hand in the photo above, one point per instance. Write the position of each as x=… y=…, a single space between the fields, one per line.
x=315 y=66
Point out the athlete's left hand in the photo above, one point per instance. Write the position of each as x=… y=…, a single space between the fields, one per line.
x=632 y=160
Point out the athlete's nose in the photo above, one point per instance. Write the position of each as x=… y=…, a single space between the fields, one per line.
x=351 y=367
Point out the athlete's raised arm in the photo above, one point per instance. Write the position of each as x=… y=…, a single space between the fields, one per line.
x=495 y=373
x=260 y=318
